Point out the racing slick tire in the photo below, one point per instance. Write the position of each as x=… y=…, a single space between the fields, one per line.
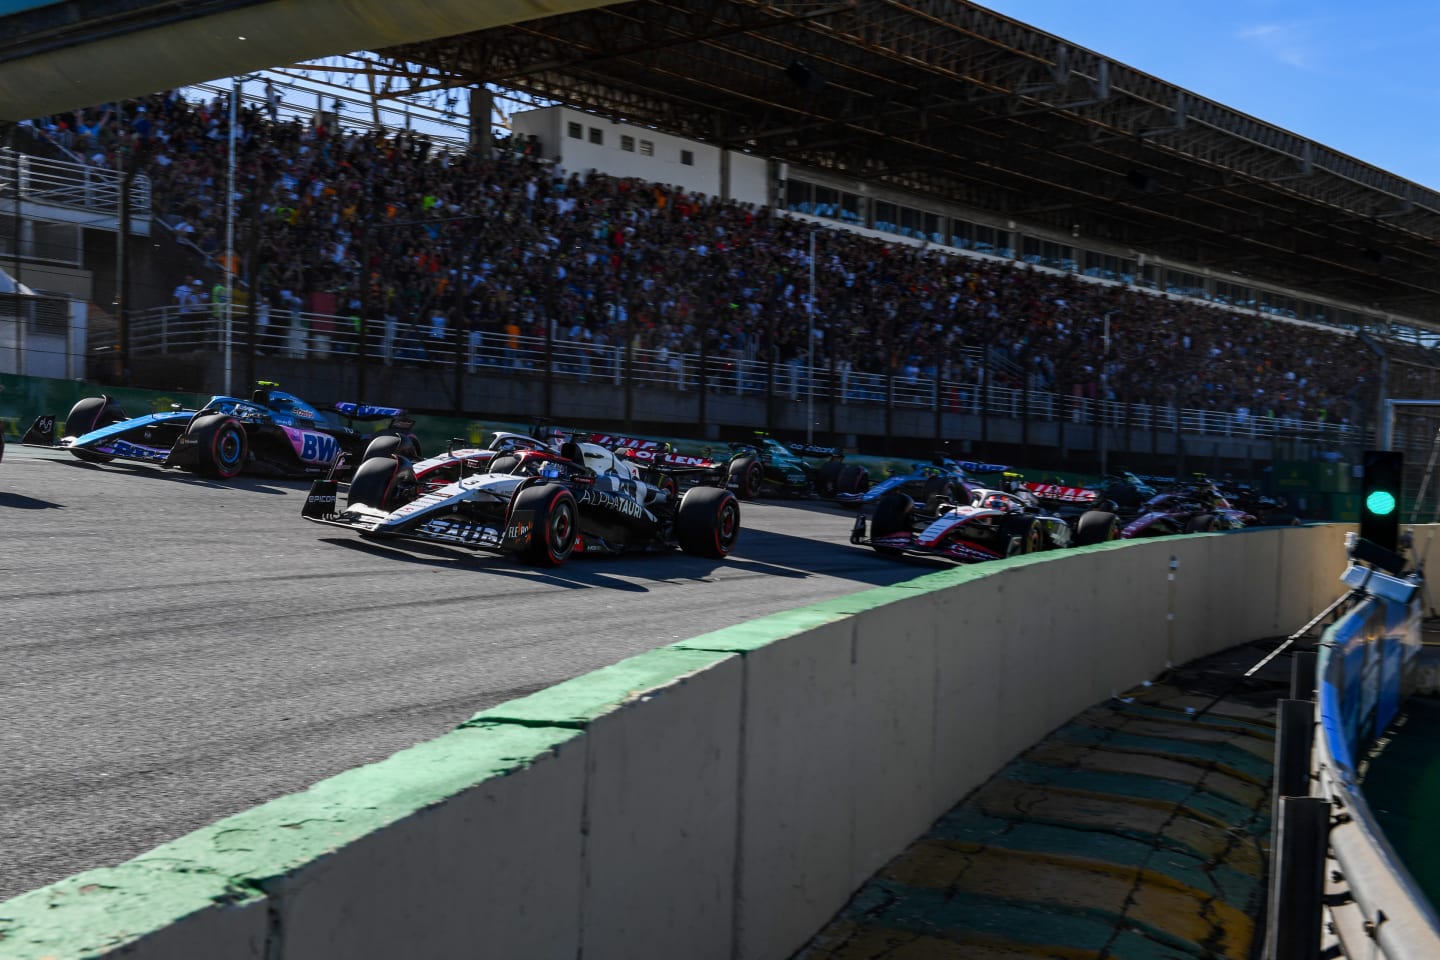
x=939 y=486
x=1200 y=523
x=826 y=476
x=1022 y=535
x=707 y=522
x=502 y=463
x=89 y=414
x=748 y=475
x=895 y=513
x=852 y=478
x=221 y=444
x=382 y=483
x=668 y=486
x=405 y=445
x=1096 y=526
x=556 y=523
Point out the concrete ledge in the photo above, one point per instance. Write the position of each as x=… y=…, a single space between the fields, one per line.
x=721 y=797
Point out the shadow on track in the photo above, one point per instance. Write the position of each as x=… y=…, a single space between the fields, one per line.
x=489 y=564
x=255 y=484
x=20 y=502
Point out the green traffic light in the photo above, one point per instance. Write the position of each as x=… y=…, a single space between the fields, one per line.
x=1380 y=502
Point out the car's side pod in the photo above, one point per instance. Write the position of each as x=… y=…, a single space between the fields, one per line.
x=41 y=432
x=321 y=501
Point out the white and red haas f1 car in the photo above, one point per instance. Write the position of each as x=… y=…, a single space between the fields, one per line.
x=995 y=524
x=652 y=461
x=529 y=500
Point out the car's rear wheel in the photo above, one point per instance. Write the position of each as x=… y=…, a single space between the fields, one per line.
x=707 y=522
x=826 y=477
x=895 y=513
x=555 y=524
x=1200 y=523
x=748 y=475
x=852 y=478
x=221 y=444
x=1022 y=535
x=1096 y=526
x=382 y=483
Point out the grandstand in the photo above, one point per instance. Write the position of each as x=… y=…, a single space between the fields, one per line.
x=1070 y=371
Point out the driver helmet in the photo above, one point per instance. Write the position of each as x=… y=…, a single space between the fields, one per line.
x=550 y=469
x=997 y=501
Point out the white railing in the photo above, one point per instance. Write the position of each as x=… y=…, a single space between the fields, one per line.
x=300 y=335
x=62 y=183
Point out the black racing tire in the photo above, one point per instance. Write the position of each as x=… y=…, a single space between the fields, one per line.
x=1200 y=523
x=826 y=477
x=382 y=483
x=895 y=513
x=852 y=478
x=939 y=486
x=222 y=445
x=405 y=445
x=1022 y=534
x=88 y=414
x=502 y=463
x=1096 y=526
x=556 y=523
x=748 y=475
x=384 y=445
x=707 y=522
x=91 y=413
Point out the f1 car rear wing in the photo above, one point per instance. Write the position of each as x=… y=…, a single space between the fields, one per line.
x=1059 y=493
x=370 y=413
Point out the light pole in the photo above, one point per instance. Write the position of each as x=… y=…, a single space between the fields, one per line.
x=810 y=350
x=230 y=229
x=1104 y=396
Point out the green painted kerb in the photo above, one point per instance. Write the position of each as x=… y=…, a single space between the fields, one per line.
x=231 y=861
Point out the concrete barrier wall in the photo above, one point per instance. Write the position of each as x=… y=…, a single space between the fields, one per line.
x=721 y=797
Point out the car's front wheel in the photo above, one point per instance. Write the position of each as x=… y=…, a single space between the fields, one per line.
x=382 y=483
x=894 y=514
x=555 y=524
x=1096 y=526
x=89 y=414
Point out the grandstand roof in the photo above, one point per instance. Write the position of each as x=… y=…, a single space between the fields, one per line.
x=958 y=102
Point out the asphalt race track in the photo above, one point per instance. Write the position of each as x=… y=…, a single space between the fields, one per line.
x=174 y=650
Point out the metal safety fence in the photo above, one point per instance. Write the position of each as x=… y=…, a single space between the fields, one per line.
x=303 y=335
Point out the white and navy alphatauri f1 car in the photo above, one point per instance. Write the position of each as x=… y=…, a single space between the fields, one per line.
x=272 y=433
x=537 y=503
x=995 y=524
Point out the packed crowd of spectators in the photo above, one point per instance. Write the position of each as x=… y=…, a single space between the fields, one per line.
x=440 y=243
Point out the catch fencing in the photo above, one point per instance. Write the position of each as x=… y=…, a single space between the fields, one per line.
x=305 y=335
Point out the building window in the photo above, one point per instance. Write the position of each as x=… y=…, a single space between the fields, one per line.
x=647 y=149
x=575 y=131
x=597 y=136
x=627 y=143
x=687 y=158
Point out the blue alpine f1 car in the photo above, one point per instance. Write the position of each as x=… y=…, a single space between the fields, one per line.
x=941 y=476
x=271 y=433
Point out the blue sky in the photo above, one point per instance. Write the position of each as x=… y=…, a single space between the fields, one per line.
x=1356 y=77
